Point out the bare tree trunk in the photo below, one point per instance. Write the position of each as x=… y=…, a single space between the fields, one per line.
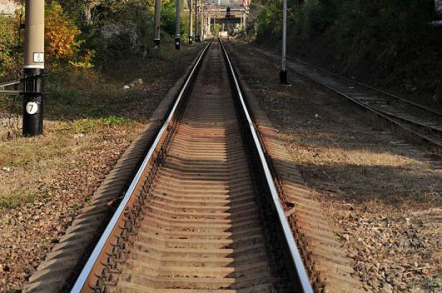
x=89 y=5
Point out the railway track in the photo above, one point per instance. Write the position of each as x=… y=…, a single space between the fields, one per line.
x=424 y=122
x=202 y=214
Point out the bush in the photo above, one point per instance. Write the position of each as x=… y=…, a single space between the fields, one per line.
x=61 y=41
x=61 y=35
x=11 y=54
x=391 y=39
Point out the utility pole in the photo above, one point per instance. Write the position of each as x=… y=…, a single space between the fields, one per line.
x=228 y=20
x=157 y=20
x=202 y=18
x=283 y=73
x=33 y=68
x=178 y=25
x=197 y=35
x=208 y=23
x=189 y=2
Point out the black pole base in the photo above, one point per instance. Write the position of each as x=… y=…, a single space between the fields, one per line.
x=33 y=102
x=283 y=76
x=197 y=39
x=190 y=39
x=177 y=43
x=156 y=44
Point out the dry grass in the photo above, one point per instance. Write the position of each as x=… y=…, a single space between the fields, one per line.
x=381 y=186
x=84 y=110
x=29 y=165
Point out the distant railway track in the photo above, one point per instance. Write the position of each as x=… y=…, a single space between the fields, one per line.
x=422 y=121
x=202 y=214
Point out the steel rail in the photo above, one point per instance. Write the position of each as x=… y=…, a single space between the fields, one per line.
x=88 y=268
x=417 y=105
x=296 y=256
x=390 y=117
x=373 y=109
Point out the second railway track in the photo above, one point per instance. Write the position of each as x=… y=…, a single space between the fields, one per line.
x=202 y=214
x=422 y=121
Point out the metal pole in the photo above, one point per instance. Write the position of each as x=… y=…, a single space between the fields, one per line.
x=228 y=20
x=197 y=32
x=209 y=31
x=203 y=24
x=190 y=21
x=33 y=68
x=157 y=20
x=202 y=21
x=177 y=25
x=283 y=73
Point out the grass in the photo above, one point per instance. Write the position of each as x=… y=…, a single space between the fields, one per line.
x=90 y=125
x=357 y=166
x=89 y=118
x=16 y=198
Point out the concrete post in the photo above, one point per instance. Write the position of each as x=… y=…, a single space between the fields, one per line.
x=197 y=32
x=202 y=22
x=190 y=21
x=157 y=22
x=178 y=24
x=33 y=68
x=283 y=73
x=209 y=31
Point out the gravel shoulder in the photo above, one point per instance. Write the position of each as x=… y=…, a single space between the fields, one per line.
x=382 y=190
x=46 y=181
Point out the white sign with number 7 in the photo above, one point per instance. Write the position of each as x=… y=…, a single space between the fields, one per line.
x=31 y=108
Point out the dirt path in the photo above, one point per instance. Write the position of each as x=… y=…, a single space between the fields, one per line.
x=384 y=193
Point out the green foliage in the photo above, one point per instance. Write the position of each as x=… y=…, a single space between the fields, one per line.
x=10 y=48
x=92 y=125
x=16 y=198
x=61 y=41
x=61 y=35
x=168 y=13
x=269 y=19
x=74 y=33
x=390 y=38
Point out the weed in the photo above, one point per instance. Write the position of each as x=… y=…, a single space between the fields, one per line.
x=435 y=283
x=75 y=207
x=89 y=201
x=92 y=125
x=16 y=198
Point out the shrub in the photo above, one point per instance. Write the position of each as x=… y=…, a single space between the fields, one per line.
x=60 y=35
x=392 y=39
x=10 y=48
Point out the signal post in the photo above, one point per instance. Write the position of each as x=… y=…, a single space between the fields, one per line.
x=190 y=21
x=33 y=68
x=283 y=72
x=157 y=20
x=178 y=24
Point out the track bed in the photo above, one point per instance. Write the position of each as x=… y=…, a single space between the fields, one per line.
x=202 y=228
x=203 y=219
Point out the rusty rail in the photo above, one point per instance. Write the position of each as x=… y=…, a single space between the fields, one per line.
x=200 y=159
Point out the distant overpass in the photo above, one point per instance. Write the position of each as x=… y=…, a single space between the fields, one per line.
x=211 y=13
